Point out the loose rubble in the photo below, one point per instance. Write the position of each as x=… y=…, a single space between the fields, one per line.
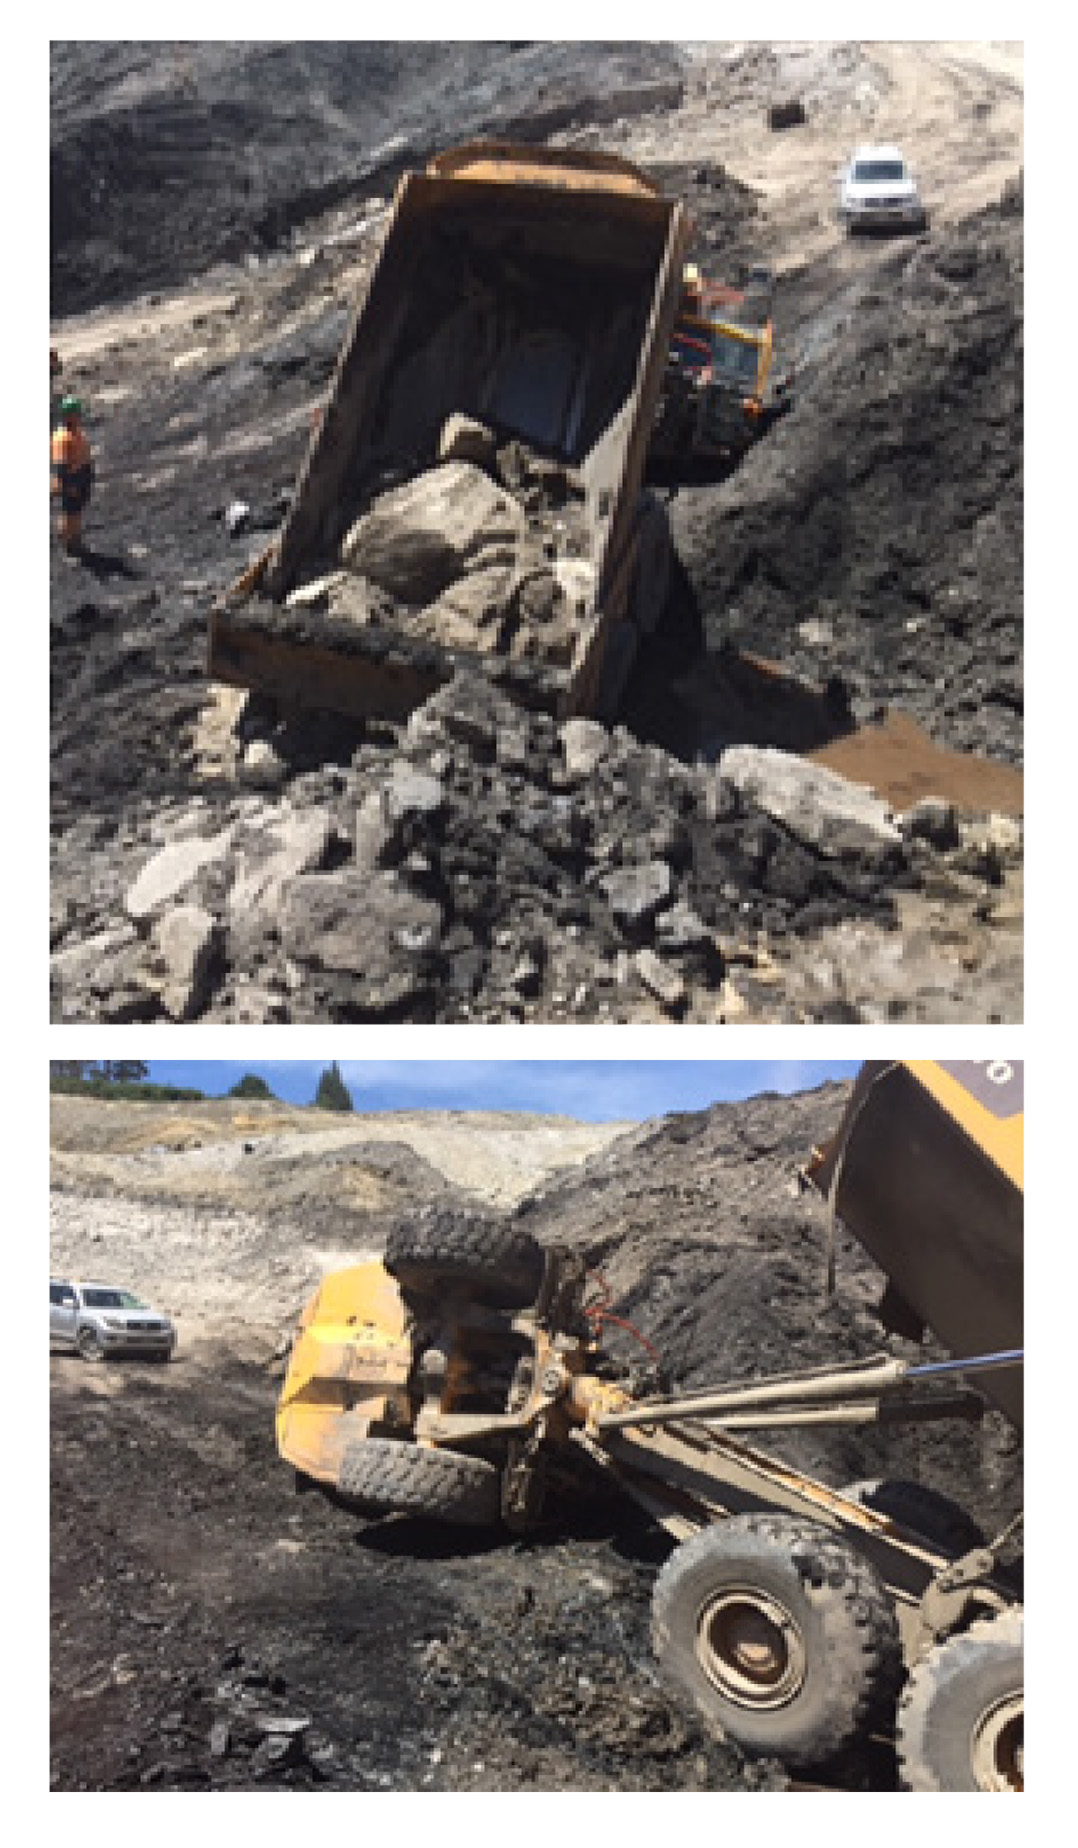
x=486 y=862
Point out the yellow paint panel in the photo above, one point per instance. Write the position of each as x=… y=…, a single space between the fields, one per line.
x=570 y=170
x=985 y=1098
x=362 y=1293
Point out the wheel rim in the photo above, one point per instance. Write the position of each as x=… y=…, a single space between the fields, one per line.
x=750 y=1648
x=997 y=1745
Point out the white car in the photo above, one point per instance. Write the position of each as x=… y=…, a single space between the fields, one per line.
x=877 y=191
x=97 y=1319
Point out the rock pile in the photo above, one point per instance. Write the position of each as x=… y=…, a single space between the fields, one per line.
x=486 y=552
x=486 y=862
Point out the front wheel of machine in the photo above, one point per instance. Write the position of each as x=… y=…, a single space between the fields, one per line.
x=779 y=1634
x=383 y=1476
x=497 y=1260
x=961 y=1719
x=89 y=1344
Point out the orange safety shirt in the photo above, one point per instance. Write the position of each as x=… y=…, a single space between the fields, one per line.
x=71 y=465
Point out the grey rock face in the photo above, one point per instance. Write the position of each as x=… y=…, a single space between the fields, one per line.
x=931 y=820
x=297 y=844
x=368 y=928
x=416 y=539
x=584 y=744
x=836 y=817
x=171 y=871
x=662 y=981
x=636 y=893
x=465 y=439
x=185 y=941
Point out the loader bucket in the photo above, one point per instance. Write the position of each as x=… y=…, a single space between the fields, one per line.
x=535 y=292
x=926 y=1172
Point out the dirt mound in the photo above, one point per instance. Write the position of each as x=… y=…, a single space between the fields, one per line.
x=207 y=1199
x=165 y=159
x=877 y=534
x=698 y=1227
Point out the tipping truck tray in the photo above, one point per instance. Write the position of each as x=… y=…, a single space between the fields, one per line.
x=926 y=1171
x=481 y=456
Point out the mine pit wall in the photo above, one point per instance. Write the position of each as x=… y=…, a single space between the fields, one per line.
x=470 y=274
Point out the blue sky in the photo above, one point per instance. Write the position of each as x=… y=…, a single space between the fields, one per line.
x=592 y=1090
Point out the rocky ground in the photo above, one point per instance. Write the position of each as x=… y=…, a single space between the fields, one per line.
x=211 y=1630
x=840 y=842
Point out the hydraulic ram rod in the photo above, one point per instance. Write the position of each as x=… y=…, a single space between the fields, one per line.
x=865 y=1379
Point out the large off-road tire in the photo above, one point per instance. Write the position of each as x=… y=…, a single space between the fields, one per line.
x=89 y=1344
x=779 y=1634
x=962 y=1714
x=938 y=1519
x=497 y=1262
x=387 y=1477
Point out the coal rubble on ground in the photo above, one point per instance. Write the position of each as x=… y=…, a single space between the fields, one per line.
x=479 y=861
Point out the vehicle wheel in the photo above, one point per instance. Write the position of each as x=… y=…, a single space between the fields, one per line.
x=499 y=1262
x=935 y=1517
x=89 y=1344
x=387 y=1477
x=962 y=1714
x=779 y=1634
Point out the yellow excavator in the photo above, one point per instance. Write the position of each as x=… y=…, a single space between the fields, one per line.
x=454 y=1378
x=722 y=388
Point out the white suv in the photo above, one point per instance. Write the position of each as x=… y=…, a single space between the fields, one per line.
x=877 y=191
x=97 y=1319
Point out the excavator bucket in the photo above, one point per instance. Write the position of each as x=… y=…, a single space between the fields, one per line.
x=926 y=1171
x=531 y=292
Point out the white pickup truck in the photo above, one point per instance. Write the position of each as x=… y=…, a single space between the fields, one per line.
x=878 y=192
x=98 y=1319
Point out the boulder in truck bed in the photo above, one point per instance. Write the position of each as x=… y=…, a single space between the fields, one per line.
x=473 y=492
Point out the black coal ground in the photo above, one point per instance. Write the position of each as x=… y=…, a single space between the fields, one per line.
x=211 y=1630
x=873 y=540
x=210 y=1606
x=244 y=141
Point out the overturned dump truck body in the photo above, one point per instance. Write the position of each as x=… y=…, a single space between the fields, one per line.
x=473 y=489
x=926 y=1171
x=458 y=1377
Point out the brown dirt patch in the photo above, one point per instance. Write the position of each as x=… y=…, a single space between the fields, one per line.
x=902 y=764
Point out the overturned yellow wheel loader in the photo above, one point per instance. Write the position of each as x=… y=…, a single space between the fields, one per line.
x=792 y=1617
x=472 y=492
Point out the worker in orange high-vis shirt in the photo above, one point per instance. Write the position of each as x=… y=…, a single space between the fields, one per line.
x=72 y=473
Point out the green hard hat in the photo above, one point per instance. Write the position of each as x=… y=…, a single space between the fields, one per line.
x=70 y=405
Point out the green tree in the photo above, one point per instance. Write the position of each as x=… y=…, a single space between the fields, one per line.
x=332 y=1092
x=251 y=1085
